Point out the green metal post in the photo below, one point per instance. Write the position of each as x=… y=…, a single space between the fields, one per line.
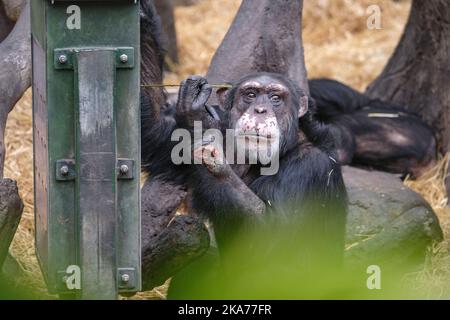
x=87 y=146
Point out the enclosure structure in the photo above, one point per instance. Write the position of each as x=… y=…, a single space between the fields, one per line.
x=87 y=145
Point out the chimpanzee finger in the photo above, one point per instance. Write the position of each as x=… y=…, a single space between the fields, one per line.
x=194 y=83
x=203 y=96
x=192 y=90
x=182 y=95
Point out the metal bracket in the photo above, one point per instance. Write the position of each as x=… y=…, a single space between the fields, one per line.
x=65 y=170
x=126 y=278
x=125 y=169
x=63 y=59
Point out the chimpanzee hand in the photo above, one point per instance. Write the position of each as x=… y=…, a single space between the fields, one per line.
x=213 y=159
x=192 y=97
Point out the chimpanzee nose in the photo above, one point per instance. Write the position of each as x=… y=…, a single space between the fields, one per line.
x=260 y=109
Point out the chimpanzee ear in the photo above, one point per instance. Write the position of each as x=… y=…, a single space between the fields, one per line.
x=303 y=106
x=222 y=95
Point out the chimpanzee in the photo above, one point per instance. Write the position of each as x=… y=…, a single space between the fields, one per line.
x=307 y=189
x=373 y=133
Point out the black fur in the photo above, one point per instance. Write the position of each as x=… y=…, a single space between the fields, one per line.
x=157 y=122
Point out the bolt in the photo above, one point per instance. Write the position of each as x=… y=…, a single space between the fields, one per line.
x=124 y=58
x=62 y=59
x=64 y=170
x=124 y=169
x=125 y=278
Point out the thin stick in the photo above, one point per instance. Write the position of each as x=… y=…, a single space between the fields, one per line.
x=162 y=85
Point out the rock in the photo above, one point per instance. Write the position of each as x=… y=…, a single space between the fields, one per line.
x=387 y=221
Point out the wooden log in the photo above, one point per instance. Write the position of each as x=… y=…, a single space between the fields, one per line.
x=159 y=204
x=169 y=242
x=15 y=72
x=11 y=207
x=184 y=240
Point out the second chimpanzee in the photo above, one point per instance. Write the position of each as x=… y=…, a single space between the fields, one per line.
x=373 y=133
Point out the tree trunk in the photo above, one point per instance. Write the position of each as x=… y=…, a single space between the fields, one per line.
x=15 y=73
x=265 y=37
x=11 y=208
x=6 y=24
x=418 y=74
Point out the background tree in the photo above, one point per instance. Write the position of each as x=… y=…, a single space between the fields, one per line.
x=265 y=36
x=165 y=9
x=418 y=73
x=15 y=78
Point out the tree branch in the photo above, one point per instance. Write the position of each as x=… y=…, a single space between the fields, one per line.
x=15 y=73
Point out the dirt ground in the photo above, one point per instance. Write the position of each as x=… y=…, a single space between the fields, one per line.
x=338 y=45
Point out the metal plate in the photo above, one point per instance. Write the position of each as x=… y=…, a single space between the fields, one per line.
x=125 y=169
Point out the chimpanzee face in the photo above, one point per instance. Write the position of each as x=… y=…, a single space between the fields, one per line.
x=264 y=115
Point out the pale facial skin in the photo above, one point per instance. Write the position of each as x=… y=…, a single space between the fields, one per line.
x=257 y=130
x=258 y=105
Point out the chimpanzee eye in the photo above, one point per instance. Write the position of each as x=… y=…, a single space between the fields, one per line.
x=251 y=95
x=275 y=99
